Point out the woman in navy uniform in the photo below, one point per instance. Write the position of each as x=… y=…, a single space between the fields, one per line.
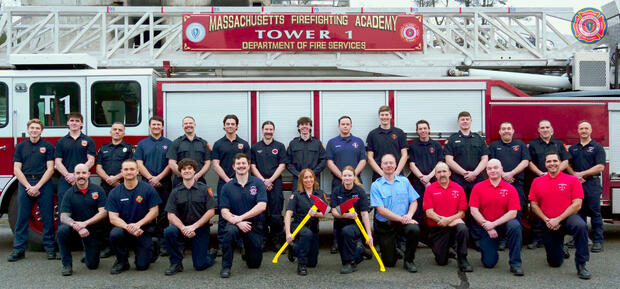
x=306 y=246
x=349 y=236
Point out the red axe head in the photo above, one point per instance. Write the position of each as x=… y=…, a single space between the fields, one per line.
x=346 y=206
x=321 y=206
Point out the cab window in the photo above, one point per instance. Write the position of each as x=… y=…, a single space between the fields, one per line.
x=51 y=102
x=4 y=104
x=115 y=101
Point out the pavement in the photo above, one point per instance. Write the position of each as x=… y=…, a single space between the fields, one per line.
x=37 y=272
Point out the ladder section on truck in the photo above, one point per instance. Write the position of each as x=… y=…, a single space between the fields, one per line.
x=145 y=36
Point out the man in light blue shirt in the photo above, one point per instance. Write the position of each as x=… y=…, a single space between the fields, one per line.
x=395 y=201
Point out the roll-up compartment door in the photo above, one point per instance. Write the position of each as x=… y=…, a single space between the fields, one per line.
x=362 y=107
x=283 y=108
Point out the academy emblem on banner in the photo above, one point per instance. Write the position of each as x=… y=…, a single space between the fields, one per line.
x=589 y=25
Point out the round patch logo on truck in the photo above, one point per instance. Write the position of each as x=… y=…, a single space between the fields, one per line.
x=589 y=25
x=409 y=32
x=195 y=32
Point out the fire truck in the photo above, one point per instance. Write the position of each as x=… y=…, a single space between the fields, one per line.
x=129 y=63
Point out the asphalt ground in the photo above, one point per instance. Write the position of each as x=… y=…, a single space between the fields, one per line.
x=37 y=272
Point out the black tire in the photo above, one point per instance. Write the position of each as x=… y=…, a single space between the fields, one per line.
x=35 y=240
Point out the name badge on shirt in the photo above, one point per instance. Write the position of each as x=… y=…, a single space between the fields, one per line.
x=124 y=199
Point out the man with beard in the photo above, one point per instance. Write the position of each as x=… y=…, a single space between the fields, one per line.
x=82 y=214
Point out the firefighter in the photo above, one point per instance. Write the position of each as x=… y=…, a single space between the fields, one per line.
x=82 y=215
x=386 y=139
x=395 y=201
x=424 y=155
x=268 y=162
x=514 y=157
x=190 y=146
x=224 y=150
x=242 y=204
x=150 y=155
x=538 y=148
x=306 y=245
x=556 y=198
x=72 y=149
x=444 y=206
x=587 y=163
x=108 y=166
x=305 y=151
x=33 y=165
x=132 y=208
x=349 y=236
x=344 y=150
x=190 y=208
x=494 y=204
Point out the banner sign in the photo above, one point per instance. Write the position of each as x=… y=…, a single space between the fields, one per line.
x=302 y=32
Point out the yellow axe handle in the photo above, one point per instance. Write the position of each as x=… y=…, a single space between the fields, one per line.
x=301 y=225
x=359 y=225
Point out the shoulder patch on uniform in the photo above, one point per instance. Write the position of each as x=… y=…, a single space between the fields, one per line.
x=565 y=148
x=210 y=191
x=208 y=146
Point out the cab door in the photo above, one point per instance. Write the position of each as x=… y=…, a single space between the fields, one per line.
x=7 y=141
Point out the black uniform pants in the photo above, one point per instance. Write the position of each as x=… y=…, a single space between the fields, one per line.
x=274 y=228
x=306 y=246
x=121 y=241
x=442 y=238
x=252 y=241
x=467 y=187
x=386 y=233
x=175 y=242
x=554 y=241
x=349 y=241
x=66 y=235
x=592 y=207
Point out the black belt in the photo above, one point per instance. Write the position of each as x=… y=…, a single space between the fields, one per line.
x=30 y=176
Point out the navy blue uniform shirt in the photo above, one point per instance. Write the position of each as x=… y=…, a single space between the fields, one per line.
x=510 y=155
x=585 y=157
x=300 y=203
x=466 y=150
x=133 y=205
x=197 y=149
x=34 y=156
x=386 y=141
x=152 y=152
x=345 y=151
x=267 y=158
x=425 y=155
x=111 y=156
x=225 y=150
x=538 y=149
x=305 y=154
x=191 y=204
x=341 y=195
x=83 y=206
x=74 y=151
x=240 y=200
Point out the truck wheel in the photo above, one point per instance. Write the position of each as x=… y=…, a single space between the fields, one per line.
x=35 y=239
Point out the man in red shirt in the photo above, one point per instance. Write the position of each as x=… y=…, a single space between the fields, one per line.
x=445 y=205
x=494 y=204
x=556 y=198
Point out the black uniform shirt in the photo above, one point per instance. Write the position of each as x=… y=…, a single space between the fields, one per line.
x=225 y=151
x=191 y=204
x=133 y=205
x=585 y=157
x=300 y=203
x=267 y=158
x=74 y=151
x=510 y=155
x=466 y=150
x=386 y=141
x=305 y=154
x=83 y=206
x=425 y=155
x=152 y=152
x=34 y=156
x=538 y=149
x=111 y=156
x=197 y=149
x=341 y=195
x=240 y=200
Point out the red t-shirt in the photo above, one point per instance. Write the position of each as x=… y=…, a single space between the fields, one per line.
x=493 y=202
x=554 y=195
x=445 y=202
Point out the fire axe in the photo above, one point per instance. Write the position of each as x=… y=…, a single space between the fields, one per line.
x=348 y=207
